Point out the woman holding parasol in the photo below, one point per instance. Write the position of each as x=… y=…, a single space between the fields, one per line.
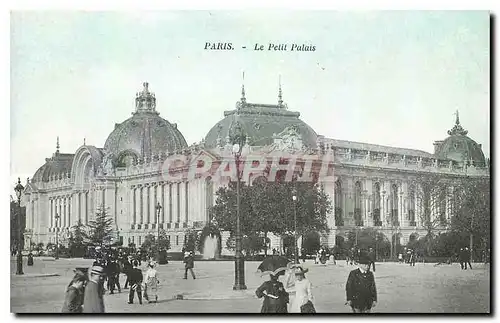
x=273 y=291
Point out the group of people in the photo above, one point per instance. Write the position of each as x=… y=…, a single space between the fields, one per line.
x=361 y=291
x=85 y=292
x=464 y=256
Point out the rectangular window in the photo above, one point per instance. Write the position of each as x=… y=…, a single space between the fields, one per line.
x=140 y=240
x=176 y=240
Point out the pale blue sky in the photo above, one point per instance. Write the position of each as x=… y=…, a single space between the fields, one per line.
x=389 y=78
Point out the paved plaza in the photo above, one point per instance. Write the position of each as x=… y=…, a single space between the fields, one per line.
x=424 y=288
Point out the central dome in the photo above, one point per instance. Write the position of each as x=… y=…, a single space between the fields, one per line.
x=260 y=122
x=145 y=133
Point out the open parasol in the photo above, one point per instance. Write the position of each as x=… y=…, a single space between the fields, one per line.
x=274 y=265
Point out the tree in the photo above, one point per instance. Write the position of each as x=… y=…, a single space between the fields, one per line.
x=268 y=207
x=77 y=238
x=431 y=192
x=149 y=246
x=250 y=244
x=368 y=238
x=191 y=240
x=100 y=229
x=472 y=213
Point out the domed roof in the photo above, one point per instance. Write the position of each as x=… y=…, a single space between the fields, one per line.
x=145 y=133
x=459 y=147
x=260 y=122
x=59 y=165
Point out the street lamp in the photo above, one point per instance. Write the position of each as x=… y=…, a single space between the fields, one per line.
x=19 y=191
x=239 y=262
x=158 y=210
x=57 y=236
x=294 y=198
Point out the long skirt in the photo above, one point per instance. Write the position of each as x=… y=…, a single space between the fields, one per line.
x=151 y=290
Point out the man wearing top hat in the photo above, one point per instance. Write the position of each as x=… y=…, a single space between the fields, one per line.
x=360 y=288
x=93 y=301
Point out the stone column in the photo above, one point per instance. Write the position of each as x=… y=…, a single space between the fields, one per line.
x=142 y=204
x=152 y=203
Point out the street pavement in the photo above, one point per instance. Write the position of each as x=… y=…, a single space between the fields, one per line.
x=425 y=288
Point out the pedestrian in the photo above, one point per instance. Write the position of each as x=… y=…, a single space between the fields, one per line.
x=461 y=258
x=275 y=296
x=189 y=264
x=93 y=301
x=30 y=259
x=73 y=302
x=151 y=285
x=127 y=266
x=303 y=300
x=135 y=280
x=360 y=288
x=412 y=257
x=467 y=256
x=303 y=252
x=371 y=256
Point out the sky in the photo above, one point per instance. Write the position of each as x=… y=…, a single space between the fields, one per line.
x=388 y=78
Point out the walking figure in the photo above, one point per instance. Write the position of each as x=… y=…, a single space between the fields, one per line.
x=135 y=280
x=189 y=264
x=275 y=296
x=93 y=301
x=361 y=291
x=371 y=256
x=467 y=256
x=151 y=286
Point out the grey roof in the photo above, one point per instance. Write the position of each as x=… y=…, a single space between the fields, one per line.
x=145 y=133
x=58 y=164
x=378 y=148
x=260 y=122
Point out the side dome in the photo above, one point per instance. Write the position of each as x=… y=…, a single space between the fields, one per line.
x=144 y=134
x=261 y=122
x=459 y=147
x=58 y=166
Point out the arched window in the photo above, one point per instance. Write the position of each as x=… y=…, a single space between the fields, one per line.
x=442 y=207
x=358 y=204
x=376 y=204
x=394 y=205
x=339 y=221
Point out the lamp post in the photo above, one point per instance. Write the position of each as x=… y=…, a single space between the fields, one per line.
x=57 y=236
x=294 y=198
x=239 y=262
x=158 y=210
x=19 y=191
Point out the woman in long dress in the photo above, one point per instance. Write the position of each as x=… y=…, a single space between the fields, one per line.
x=151 y=283
x=303 y=290
x=275 y=296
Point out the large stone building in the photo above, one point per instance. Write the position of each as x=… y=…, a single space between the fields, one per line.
x=371 y=182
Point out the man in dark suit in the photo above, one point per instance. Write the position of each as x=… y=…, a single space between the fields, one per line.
x=189 y=264
x=461 y=257
x=361 y=291
x=135 y=280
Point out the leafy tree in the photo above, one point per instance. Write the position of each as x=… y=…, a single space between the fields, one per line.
x=311 y=242
x=431 y=193
x=77 y=238
x=472 y=214
x=191 y=240
x=149 y=246
x=250 y=244
x=268 y=207
x=367 y=238
x=100 y=230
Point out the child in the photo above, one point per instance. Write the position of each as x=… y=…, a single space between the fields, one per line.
x=360 y=288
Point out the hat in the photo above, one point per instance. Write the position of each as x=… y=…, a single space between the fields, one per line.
x=97 y=270
x=186 y=254
x=298 y=270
